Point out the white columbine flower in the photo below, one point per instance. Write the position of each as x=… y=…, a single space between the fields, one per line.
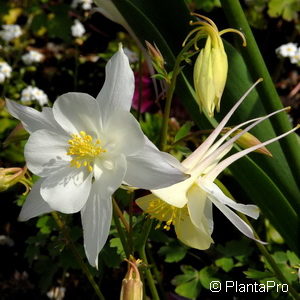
x=77 y=29
x=188 y=205
x=10 y=32
x=287 y=50
x=32 y=57
x=5 y=71
x=33 y=93
x=84 y=148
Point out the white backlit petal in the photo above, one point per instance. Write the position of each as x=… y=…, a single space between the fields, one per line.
x=67 y=189
x=123 y=133
x=152 y=169
x=215 y=192
x=46 y=152
x=190 y=235
x=77 y=112
x=241 y=225
x=176 y=194
x=198 y=207
x=117 y=91
x=31 y=119
x=34 y=204
x=96 y=220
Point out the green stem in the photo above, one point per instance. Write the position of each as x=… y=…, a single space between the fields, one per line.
x=76 y=254
x=169 y=96
x=121 y=231
x=142 y=253
x=262 y=248
x=267 y=92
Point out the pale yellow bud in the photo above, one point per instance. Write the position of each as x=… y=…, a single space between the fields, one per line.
x=210 y=70
x=132 y=286
x=210 y=73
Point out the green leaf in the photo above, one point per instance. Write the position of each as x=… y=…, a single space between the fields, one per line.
x=188 y=284
x=173 y=252
x=236 y=248
x=206 y=276
x=183 y=131
x=116 y=243
x=293 y=258
x=190 y=290
x=287 y=9
x=255 y=274
x=226 y=263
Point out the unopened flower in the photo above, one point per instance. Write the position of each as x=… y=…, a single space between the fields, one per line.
x=32 y=57
x=77 y=29
x=5 y=71
x=132 y=285
x=10 y=32
x=84 y=149
x=34 y=94
x=210 y=70
x=10 y=176
x=287 y=50
x=188 y=205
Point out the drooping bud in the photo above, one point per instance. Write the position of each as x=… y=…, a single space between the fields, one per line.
x=10 y=176
x=132 y=286
x=210 y=70
x=156 y=55
x=248 y=140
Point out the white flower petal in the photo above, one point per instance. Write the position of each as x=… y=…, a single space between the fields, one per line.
x=117 y=91
x=176 y=194
x=241 y=225
x=77 y=112
x=123 y=133
x=215 y=192
x=200 y=209
x=32 y=119
x=152 y=169
x=96 y=219
x=67 y=189
x=190 y=235
x=46 y=152
x=197 y=155
x=34 y=204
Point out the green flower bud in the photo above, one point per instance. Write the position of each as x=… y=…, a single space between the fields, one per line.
x=10 y=176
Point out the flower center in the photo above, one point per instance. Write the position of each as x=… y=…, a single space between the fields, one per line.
x=83 y=149
x=165 y=212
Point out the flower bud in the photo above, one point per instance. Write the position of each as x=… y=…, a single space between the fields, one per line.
x=10 y=176
x=156 y=56
x=210 y=70
x=132 y=286
x=248 y=140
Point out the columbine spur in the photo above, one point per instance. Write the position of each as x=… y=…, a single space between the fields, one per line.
x=188 y=205
x=84 y=148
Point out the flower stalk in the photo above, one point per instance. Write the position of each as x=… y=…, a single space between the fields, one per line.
x=76 y=254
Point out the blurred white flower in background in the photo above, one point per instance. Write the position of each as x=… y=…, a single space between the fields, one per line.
x=295 y=59
x=77 y=29
x=85 y=4
x=32 y=57
x=5 y=71
x=34 y=94
x=287 y=50
x=10 y=32
x=57 y=293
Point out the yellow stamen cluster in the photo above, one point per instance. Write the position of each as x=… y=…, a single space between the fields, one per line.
x=83 y=149
x=165 y=212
